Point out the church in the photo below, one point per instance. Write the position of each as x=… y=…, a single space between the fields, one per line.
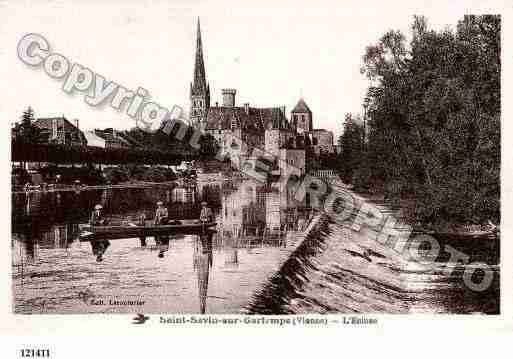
x=248 y=127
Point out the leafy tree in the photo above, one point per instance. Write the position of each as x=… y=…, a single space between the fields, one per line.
x=351 y=143
x=208 y=146
x=434 y=109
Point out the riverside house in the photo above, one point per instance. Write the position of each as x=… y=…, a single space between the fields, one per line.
x=59 y=130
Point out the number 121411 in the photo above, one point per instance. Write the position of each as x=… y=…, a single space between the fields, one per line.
x=35 y=353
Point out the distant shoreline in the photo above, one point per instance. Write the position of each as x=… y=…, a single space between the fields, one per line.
x=124 y=185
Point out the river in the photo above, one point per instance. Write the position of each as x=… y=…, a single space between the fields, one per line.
x=53 y=272
x=258 y=262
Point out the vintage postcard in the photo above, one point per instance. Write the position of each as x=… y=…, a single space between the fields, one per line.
x=177 y=164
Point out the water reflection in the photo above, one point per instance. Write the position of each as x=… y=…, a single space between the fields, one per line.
x=24 y=250
x=202 y=262
x=27 y=241
x=60 y=236
x=231 y=249
x=242 y=207
x=47 y=265
x=250 y=209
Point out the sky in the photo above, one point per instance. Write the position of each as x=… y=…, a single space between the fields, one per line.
x=272 y=52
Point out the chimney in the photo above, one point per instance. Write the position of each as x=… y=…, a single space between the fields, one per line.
x=54 y=128
x=246 y=108
x=228 y=97
x=76 y=123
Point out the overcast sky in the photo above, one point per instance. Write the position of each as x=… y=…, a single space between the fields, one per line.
x=272 y=54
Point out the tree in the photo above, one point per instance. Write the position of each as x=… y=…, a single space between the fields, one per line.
x=434 y=110
x=26 y=130
x=351 y=143
x=208 y=146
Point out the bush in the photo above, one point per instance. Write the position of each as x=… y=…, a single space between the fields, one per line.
x=158 y=174
x=134 y=171
x=115 y=175
x=393 y=191
x=362 y=178
x=68 y=175
x=20 y=176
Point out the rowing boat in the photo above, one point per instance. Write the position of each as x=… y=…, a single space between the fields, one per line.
x=89 y=232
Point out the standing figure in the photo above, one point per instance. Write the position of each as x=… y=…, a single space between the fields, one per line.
x=142 y=222
x=99 y=246
x=206 y=213
x=161 y=218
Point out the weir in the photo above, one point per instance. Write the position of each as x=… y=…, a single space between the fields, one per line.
x=337 y=269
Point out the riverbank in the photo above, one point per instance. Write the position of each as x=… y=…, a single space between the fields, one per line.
x=75 y=188
x=404 y=208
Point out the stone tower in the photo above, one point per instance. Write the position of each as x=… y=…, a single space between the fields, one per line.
x=228 y=97
x=301 y=117
x=200 y=89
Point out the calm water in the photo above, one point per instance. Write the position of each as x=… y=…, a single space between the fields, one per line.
x=332 y=270
x=53 y=272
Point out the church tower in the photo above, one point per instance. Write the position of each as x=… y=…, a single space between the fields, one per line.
x=200 y=90
x=301 y=117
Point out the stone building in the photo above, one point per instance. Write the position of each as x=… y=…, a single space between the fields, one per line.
x=322 y=141
x=242 y=129
x=301 y=117
x=294 y=157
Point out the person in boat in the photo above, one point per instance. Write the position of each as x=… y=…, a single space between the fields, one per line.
x=161 y=218
x=206 y=213
x=142 y=222
x=98 y=246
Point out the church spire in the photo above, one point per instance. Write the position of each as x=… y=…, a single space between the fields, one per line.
x=200 y=90
x=199 y=85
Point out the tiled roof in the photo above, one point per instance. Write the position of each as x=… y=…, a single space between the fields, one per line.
x=46 y=123
x=108 y=136
x=255 y=120
x=129 y=139
x=301 y=107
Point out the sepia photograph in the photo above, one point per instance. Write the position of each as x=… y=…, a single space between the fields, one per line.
x=170 y=159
